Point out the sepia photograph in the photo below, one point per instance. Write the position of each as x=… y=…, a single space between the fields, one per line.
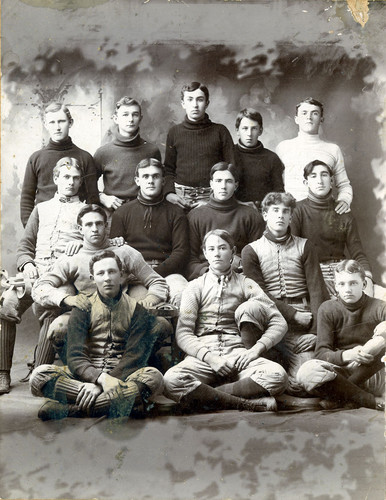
x=193 y=235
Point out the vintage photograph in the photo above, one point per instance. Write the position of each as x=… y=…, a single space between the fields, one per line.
x=193 y=267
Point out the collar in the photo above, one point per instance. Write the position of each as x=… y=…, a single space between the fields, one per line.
x=150 y=203
x=203 y=123
x=245 y=149
x=110 y=302
x=321 y=201
x=357 y=305
x=66 y=199
x=59 y=146
x=89 y=246
x=310 y=138
x=129 y=142
x=267 y=233
x=223 y=206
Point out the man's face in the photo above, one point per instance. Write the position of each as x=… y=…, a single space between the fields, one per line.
x=107 y=277
x=319 y=181
x=309 y=118
x=128 y=119
x=278 y=218
x=150 y=182
x=249 y=132
x=68 y=181
x=219 y=254
x=58 y=125
x=223 y=185
x=349 y=286
x=93 y=228
x=194 y=103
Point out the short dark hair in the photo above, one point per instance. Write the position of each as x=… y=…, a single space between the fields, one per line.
x=90 y=208
x=350 y=266
x=127 y=101
x=310 y=100
x=221 y=233
x=276 y=199
x=68 y=162
x=149 y=162
x=223 y=165
x=310 y=167
x=53 y=107
x=250 y=113
x=104 y=254
x=192 y=86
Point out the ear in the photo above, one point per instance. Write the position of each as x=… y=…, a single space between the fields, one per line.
x=305 y=182
x=92 y=277
x=136 y=180
x=211 y=184
x=163 y=181
x=236 y=185
x=115 y=119
x=296 y=118
x=234 y=250
x=71 y=123
x=322 y=119
x=265 y=216
x=207 y=104
x=56 y=179
x=183 y=104
x=261 y=131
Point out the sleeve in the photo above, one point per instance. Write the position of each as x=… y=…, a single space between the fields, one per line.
x=26 y=249
x=296 y=222
x=197 y=265
x=315 y=283
x=170 y=163
x=325 y=339
x=257 y=226
x=28 y=192
x=118 y=224
x=90 y=181
x=98 y=163
x=139 y=344
x=354 y=247
x=227 y=146
x=157 y=154
x=342 y=182
x=277 y=174
x=49 y=289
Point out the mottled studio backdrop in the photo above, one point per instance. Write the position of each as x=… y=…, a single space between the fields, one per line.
x=264 y=54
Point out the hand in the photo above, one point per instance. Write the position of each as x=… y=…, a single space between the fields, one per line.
x=87 y=395
x=220 y=365
x=80 y=301
x=243 y=359
x=303 y=318
x=149 y=301
x=73 y=247
x=199 y=203
x=177 y=200
x=305 y=343
x=30 y=271
x=342 y=208
x=111 y=385
x=356 y=354
x=369 y=289
x=110 y=201
x=118 y=241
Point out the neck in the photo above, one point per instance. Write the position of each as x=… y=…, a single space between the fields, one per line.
x=110 y=301
x=320 y=199
x=306 y=135
x=355 y=305
x=275 y=236
x=91 y=246
x=150 y=201
x=223 y=204
x=225 y=272
x=249 y=148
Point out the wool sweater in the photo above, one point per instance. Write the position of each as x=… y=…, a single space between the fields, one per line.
x=208 y=305
x=342 y=326
x=330 y=232
x=191 y=151
x=298 y=152
x=51 y=226
x=112 y=337
x=116 y=162
x=261 y=172
x=160 y=232
x=38 y=182
x=244 y=223
x=286 y=268
x=52 y=288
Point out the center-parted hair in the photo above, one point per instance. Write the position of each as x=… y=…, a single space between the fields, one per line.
x=250 y=113
x=104 y=254
x=310 y=167
x=276 y=199
x=127 y=101
x=223 y=165
x=53 y=107
x=310 y=100
x=221 y=233
x=192 y=86
x=67 y=162
x=149 y=162
x=90 y=208
x=350 y=266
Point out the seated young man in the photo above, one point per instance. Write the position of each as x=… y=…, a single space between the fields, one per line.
x=68 y=283
x=287 y=269
x=348 y=368
x=38 y=185
x=261 y=171
x=108 y=349
x=156 y=228
x=217 y=310
x=222 y=212
x=298 y=152
x=51 y=231
x=192 y=148
x=316 y=219
x=116 y=161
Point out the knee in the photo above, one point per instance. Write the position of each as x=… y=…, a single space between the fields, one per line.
x=152 y=377
x=272 y=377
x=314 y=373
x=162 y=328
x=57 y=330
x=39 y=378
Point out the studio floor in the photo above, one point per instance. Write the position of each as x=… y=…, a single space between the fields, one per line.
x=311 y=455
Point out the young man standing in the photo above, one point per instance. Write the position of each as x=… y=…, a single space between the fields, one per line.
x=287 y=269
x=222 y=212
x=261 y=170
x=116 y=161
x=192 y=148
x=38 y=184
x=348 y=368
x=308 y=146
x=156 y=228
x=107 y=353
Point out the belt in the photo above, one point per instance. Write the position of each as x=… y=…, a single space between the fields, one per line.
x=294 y=300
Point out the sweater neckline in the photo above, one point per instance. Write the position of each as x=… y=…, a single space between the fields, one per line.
x=223 y=206
x=59 y=146
x=127 y=142
x=272 y=237
x=322 y=203
x=357 y=305
x=309 y=138
x=204 y=123
x=253 y=150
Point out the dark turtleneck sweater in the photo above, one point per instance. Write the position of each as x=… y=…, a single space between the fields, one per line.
x=342 y=326
x=261 y=172
x=192 y=148
x=244 y=223
x=158 y=229
x=315 y=219
x=38 y=182
x=116 y=162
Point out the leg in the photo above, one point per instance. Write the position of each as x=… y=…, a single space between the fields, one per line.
x=177 y=284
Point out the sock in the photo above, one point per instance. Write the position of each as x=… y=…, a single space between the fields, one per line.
x=45 y=353
x=245 y=388
x=120 y=406
x=364 y=372
x=207 y=398
x=343 y=390
x=7 y=344
x=66 y=390
x=250 y=334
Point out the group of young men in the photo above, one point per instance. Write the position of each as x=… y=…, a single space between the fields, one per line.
x=267 y=302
